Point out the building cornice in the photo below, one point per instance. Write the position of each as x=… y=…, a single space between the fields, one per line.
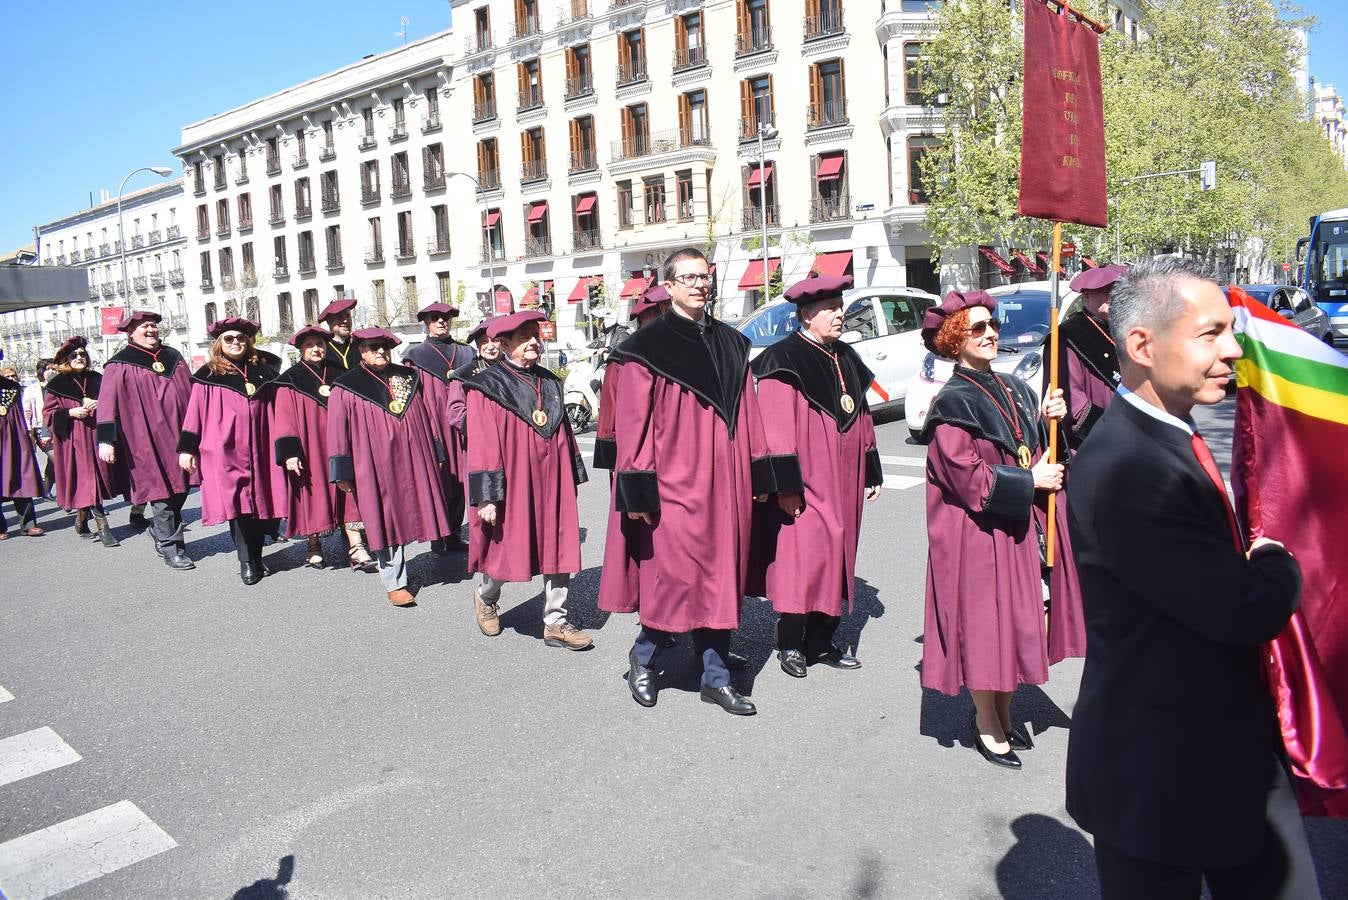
x=129 y=201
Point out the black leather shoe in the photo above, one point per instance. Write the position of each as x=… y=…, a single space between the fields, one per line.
x=734 y=661
x=1019 y=738
x=439 y=548
x=640 y=681
x=837 y=659
x=793 y=663
x=1007 y=760
x=180 y=562
x=730 y=700
x=455 y=544
x=107 y=538
x=138 y=520
x=249 y=573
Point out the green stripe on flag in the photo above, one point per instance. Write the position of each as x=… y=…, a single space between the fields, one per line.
x=1297 y=369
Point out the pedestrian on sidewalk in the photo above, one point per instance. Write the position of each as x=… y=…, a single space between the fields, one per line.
x=987 y=474
x=385 y=451
x=314 y=506
x=820 y=443
x=524 y=467
x=141 y=405
x=83 y=481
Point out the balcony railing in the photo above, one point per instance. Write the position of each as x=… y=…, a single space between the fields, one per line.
x=327 y=152
x=491 y=254
x=61 y=260
x=531 y=98
x=579 y=86
x=476 y=43
x=203 y=232
x=157 y=282
x=759 y=41
x=399 y=133
x=137 y=242
x=586 y=240
x=829 y=23
x=273 y=165
x=526 y=27
x=369 y=193
x=303 y=212
x=374 y=254
x=432 y=124
x=533 y=170
x=300 y=161
x=176 y=277
x=639 y=145
x=405 y=250
x=156 y=237
x=619 y=4
x=245 y=223
x=582 y=161
x=437 y=244
x=537 y=246
x=108 y=289
x=401 y=189
x=689 y=58
x=433 y=181
x=93 y=292
x=484 y=111
x=74 y=256
x=105 y=249
x=490 y=179
x=277 y=216
x=826 y=114
x=227 y=282
x=220 y=181
x=579 y=11
x=242 y=177
x=198 y=187
x=117 y=246
x=831 y=209
x=331 y=204
x=174 y=232
x=753 y=216
x=749 y=127
x=206 y=283
x=632 y=72
x=335 y=258
x=280 y=270
x=368 y=141
x=222 y=229
x=308 y=266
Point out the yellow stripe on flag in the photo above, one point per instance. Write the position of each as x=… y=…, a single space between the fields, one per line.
x=1310 y=401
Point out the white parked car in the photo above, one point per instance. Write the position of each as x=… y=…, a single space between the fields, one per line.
x=1023 y=309
x=882 y=324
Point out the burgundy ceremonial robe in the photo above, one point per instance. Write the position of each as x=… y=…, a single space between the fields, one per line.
x=688 y=446
x=985 y=611
x=384 y=437
x=140 y=413
x=300 y=430
x=18 y=467
x=82 y=479
x=531 y=471
x=817 y=449
x=229 y=432
x=439 y=359
x=606 y=429
x=1088 y=373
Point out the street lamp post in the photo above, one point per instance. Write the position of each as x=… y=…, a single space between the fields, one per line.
x=765 y=131
x=121 y=230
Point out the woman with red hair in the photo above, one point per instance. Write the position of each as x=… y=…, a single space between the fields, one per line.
x=987 y=476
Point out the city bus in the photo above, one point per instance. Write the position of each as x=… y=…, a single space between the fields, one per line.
x=1325 y=270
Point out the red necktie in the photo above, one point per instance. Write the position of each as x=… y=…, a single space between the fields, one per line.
x=1210 y=467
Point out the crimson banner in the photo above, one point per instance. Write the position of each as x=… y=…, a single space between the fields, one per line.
x=1062 y=145
x=109 y=317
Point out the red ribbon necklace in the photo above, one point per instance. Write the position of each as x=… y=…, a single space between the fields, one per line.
x=845 y=399
x=539 y=417
x=323 y=389
x=1022 y=451
x=248 y=387
x=156 y=365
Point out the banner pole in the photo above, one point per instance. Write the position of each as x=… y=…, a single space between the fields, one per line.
x=1056 y=259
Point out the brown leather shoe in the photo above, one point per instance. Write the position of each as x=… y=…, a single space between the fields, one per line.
x=564 y=634
x=35 y=532
x=401 y=597
x=488 y=615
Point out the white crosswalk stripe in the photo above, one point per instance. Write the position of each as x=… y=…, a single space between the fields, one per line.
x=902 y=482
x=33 y=753
x=5 y=695
x=78 y=850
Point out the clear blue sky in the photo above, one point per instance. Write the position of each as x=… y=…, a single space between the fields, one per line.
x=96 y=89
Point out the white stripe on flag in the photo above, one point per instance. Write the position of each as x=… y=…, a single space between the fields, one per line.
x=32 y=753
x=77 y=850
x=1288 y=338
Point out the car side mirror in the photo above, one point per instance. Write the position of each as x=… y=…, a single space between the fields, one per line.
x=1286 y=313
x=850 y=337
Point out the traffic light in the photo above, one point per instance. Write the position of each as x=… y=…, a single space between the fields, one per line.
x=1207 y=175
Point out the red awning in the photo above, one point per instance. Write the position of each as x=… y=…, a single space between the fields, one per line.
x=763 y=172
x=1030 y=265
x=547 y=286
x=635 y=285
x=830 y=167
x=995 y=258
x=1045 y=263
x=582 y=288
x=530 y=298
x=585 y=204
x=538 y=211
x=753 y=276
x=492 y=218
x=1089 y=263
x=832 y=263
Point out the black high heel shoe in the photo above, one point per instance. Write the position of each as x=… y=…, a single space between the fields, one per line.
x=1018 y=736
x=1007 y=760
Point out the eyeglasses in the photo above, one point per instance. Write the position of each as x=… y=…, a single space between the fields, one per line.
x=982 y=327
x=693 y=278
x=79 y=354
x=233 y=339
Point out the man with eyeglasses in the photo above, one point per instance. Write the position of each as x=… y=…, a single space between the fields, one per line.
x=337 y=317
x=438 y=357
x=1088 y=361
x=685 y=480
x=141 y=405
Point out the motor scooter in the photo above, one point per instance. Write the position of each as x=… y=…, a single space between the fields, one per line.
x=584 y=379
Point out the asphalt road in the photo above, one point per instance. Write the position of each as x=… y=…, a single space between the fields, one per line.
x=181 y=735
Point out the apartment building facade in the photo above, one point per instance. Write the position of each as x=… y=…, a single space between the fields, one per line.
x=155 y=276
x=339 y=186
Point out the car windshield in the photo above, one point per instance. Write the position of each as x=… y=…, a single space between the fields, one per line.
x=1024 y=316
x=1258 y=293
x=770 y=324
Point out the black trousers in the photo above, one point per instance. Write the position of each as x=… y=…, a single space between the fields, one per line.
x=810 y=633
x=26 y=511
x=166 y=524
x=249 y=534
x=712 y=646
x=1283 y=869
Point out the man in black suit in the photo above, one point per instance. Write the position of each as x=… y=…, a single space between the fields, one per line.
x=1174 y=762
